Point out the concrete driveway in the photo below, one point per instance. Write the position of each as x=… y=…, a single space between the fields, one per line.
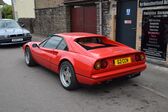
x=36 y=89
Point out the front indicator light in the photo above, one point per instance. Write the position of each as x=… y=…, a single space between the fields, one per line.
x=27 y=34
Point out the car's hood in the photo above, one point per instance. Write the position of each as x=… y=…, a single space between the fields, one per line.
x=111 y=51
x=13 y=31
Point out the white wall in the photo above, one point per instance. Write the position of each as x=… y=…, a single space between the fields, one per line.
x=24 y=8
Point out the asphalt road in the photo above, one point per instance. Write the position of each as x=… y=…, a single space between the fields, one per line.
x=24 y=89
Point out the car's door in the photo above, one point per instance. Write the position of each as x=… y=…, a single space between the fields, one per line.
x=46 y=51
x=60 y=51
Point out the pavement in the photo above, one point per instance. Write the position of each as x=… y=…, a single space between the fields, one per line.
x=36 y=89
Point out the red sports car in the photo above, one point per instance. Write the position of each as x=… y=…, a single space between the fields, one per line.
x=84 y=58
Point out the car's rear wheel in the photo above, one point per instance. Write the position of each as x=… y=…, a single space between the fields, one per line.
x=28 y=57
x=67 y=76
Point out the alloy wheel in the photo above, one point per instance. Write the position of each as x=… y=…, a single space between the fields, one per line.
x=65 y=76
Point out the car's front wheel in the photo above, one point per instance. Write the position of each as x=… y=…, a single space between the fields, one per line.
x=68 y=76
x=28 y=57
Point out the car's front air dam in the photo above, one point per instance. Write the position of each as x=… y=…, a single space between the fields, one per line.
x=99 y=78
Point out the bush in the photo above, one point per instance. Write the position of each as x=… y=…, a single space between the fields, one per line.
x=7 y=12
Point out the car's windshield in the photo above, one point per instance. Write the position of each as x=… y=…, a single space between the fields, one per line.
x=2 y=24
x=9 y=24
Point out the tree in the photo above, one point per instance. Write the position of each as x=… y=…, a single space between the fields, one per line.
x=7 y=12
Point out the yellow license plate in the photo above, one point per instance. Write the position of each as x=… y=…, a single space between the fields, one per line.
x=122 y=61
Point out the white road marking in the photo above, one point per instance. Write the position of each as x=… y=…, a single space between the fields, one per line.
x=154 y=91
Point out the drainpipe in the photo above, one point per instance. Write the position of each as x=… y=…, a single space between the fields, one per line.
x=0 y=12
x=14 y=10
x=100 y=17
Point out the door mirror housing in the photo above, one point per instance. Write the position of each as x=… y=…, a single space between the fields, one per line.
x=22 y=25
x=35 y=45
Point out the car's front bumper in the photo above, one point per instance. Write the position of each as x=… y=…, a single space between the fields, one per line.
x=102 y=77
x=8 y=41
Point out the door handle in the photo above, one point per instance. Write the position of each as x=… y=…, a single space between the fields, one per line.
x=133 y=28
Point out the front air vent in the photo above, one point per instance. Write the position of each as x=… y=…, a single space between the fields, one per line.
x=18 y=35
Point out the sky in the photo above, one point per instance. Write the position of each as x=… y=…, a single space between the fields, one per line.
x=7 y=1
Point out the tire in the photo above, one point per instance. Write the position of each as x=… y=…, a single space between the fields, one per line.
x=28 y=57
x=67 y=76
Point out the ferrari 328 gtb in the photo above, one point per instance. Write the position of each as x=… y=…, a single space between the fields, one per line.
x=84 y=58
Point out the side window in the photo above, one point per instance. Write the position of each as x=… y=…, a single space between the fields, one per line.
x=52 y=42
x=63 y=46
x=43 y=43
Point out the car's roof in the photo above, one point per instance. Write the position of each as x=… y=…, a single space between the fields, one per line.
x=7 y=19
x=76 y=35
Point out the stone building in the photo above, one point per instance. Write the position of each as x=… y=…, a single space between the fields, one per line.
x=57 y=16
x=120 y=20
x=2 y=2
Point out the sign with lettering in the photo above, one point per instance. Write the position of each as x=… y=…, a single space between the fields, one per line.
x=128 y=12
x=155 y=33
x=127 y=21
x=149 y=3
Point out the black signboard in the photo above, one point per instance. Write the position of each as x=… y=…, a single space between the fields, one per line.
x=155 y=33
x=149 y=3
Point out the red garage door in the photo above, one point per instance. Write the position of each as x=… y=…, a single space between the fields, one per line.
x=83 y=19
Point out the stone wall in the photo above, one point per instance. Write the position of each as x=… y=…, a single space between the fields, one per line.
x=48 y=21
x=52 y=20
x=108 y=19
x=28 y=23
x=40 y=4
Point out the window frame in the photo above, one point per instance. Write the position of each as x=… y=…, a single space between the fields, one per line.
x=97 y=47
x=61 y=42
x=62 y=39
x=44 y=41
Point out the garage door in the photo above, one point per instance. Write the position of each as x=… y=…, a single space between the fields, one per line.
x=83 y=19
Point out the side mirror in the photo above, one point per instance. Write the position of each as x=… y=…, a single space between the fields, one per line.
x=22 y=25
x=50 y=35
x=35 y=45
